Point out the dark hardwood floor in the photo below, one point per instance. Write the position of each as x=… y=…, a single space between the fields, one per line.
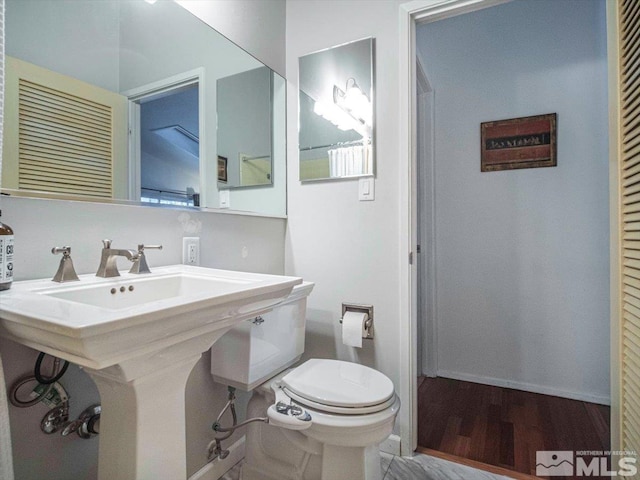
x=505 y=427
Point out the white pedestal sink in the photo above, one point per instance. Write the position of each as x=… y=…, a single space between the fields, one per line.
x=138 y=336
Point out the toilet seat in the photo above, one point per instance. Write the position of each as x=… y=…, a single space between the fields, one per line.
x=339 y=387
x=305 y=402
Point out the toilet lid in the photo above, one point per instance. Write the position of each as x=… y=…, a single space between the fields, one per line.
x=339 y=384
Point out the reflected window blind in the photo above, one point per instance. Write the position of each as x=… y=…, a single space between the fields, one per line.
x=65 y=142
x=630 y=177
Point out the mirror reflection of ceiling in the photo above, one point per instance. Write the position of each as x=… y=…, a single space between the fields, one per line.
x=123 y=45
x=335 y=139
x=170 y=147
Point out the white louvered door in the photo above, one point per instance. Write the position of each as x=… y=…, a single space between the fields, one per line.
x=64 y=136
x=629 y=174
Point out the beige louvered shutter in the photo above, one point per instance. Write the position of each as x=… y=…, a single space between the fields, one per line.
x=65 y=136
x=628 y=124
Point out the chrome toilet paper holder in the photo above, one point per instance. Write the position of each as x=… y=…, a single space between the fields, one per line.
x=368 y=323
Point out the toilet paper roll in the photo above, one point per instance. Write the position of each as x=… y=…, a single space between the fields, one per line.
x=352 y=328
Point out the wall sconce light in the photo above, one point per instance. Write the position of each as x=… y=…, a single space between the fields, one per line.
x=354 y=101
x=336 y=115
x=350 y=110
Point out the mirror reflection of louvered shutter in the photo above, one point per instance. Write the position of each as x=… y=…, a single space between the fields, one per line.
x=70 y=137
x=629 y=124
x=65 y=142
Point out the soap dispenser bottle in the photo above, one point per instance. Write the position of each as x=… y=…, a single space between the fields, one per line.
x=6 y=256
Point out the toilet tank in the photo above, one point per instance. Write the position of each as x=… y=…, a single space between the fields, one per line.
x=254 y=351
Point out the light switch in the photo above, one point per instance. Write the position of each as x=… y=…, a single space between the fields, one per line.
x=224 y=198
x=366 y=189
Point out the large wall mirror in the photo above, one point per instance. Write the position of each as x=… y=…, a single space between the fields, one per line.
x=133 y=100
x=336 y=137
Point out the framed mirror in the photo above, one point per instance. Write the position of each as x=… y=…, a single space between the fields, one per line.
x=135 y=101
x=336 y=138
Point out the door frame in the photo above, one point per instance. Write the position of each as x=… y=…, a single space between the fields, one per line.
x=411 y=13
x=427 y=332
x=154 y=90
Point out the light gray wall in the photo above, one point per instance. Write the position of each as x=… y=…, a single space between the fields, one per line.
x=90 y=42
x=258 y=26
x=270 y=198
x=522 y=256
x=244 y=118
x=41 y=224
x=350 y=249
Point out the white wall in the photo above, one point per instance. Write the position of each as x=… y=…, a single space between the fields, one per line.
x=90 y=42
x=41 y=224
x=258 y=26
x=244 y=118
x=349 y=248
x=522 y=256
x=270 y=198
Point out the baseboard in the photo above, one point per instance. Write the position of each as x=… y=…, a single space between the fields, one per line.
x=217 y=468
x=527 y=387
x=391 y=445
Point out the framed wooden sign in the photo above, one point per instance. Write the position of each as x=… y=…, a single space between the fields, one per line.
x=222 y=169
x=526 y=142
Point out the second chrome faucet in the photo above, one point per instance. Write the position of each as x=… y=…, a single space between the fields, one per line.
x=108 y=266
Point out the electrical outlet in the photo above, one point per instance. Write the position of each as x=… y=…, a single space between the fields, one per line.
x=191 y=250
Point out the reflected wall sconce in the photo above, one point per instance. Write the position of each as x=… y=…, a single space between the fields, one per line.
x=354 y=101
x=350 y=110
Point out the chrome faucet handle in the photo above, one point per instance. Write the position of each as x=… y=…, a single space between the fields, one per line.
x=107 y=243
x=66 y=272
x=65 y=251
x=141 y=247
x=140 y=264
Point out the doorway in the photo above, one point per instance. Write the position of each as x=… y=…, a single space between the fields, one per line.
x=501 y=295
x=170 y=148
x=166 y=157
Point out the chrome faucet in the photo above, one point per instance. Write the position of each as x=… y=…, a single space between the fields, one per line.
x=66 y=272
x=140 y=263
x=108 y=266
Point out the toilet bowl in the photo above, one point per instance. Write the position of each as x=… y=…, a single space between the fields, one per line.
x=352 y=410
x=326 y=417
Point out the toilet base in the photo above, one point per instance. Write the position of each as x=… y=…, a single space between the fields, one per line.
x=274 y=453
x=337 y=464
x=355 y=463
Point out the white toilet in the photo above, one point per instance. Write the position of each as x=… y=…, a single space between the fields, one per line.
x=326 y=417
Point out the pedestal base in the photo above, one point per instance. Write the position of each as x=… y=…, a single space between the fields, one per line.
x=142 y=426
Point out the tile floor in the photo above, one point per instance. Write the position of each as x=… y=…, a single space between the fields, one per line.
x=420 y=467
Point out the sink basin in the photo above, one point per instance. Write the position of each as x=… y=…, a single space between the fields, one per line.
x=138 y=337
x=98 y=322
x=132 y=293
